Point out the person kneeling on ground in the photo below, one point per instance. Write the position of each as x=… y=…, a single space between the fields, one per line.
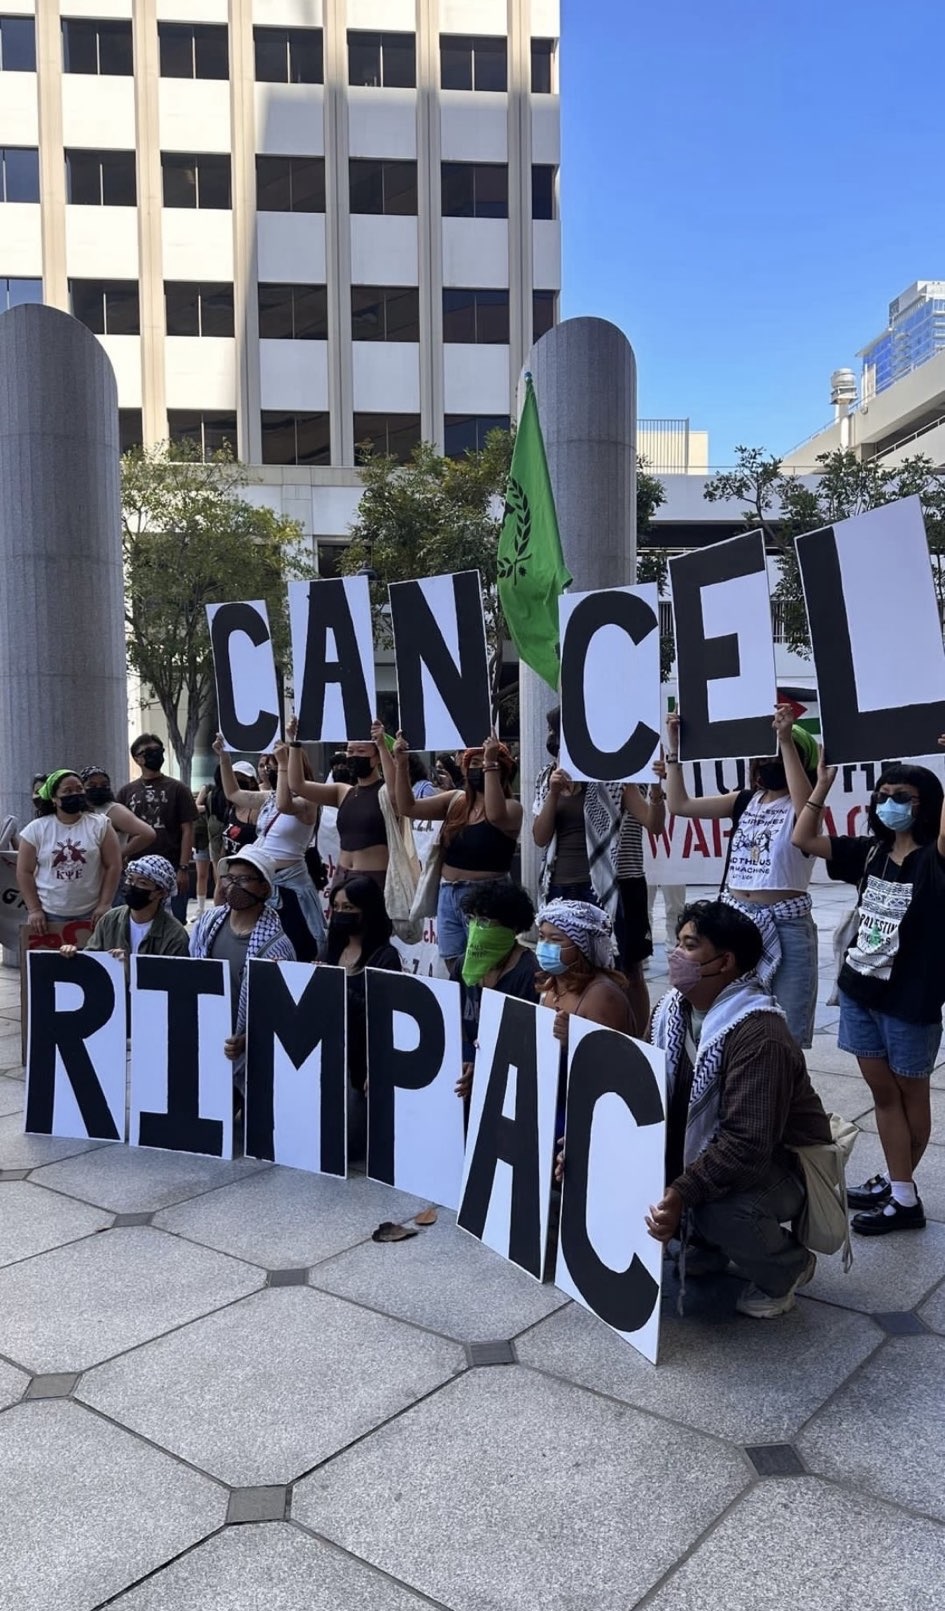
x=144 y=925
x=243 y=930
x=497 y=913
x=738 y=1096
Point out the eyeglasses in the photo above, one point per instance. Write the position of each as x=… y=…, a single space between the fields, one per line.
x=240 y=882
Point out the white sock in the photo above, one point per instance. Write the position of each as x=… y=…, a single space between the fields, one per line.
x=904 y=1193
x=201 y=905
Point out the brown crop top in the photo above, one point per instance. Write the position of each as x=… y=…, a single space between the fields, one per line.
x=360 y=819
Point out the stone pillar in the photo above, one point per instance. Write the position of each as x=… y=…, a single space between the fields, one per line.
x=63 y=680
x=585 y=377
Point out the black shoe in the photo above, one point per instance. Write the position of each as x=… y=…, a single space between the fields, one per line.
x=879 y=1222
x=873 y=1193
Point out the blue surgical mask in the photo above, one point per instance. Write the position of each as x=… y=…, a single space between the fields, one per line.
x=548 y=956
x=894 y=816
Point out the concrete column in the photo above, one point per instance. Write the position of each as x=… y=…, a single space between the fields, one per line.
x=245 y=260
x=430 y=222
x=62 y=638
x=338 y=234
x=150 y=215
x=585 y=377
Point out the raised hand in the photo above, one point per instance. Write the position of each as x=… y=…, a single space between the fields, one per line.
x=401 y=747
x=783 y=722
x=292 y=729
x=218 y=746
x=826 y=775
x=490 y=750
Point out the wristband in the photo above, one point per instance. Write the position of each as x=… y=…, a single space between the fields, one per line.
x=815 y=805
x=295 y=744
x=671 y=760
x=492 y=768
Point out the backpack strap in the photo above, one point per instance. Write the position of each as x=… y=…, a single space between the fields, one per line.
x=742 y=801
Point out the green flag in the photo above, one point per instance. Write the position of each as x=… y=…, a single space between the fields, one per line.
x=532 y=572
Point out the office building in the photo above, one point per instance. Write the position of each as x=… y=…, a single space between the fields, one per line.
x=914 y=334
x=295 y=225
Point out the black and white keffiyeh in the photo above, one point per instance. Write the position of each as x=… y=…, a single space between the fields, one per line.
x=589 y=927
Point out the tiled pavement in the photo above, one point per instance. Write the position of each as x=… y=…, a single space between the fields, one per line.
x=218 y=1394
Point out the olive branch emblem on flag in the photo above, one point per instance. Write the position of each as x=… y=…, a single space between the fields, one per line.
x=530 y=565
x=513 y=564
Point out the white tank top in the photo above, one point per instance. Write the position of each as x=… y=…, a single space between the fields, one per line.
x=762 y=854
x=283 y=837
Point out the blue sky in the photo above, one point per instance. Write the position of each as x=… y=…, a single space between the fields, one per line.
x=746 y=185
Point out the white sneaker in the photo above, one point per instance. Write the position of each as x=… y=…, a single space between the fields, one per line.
x=761 y=1306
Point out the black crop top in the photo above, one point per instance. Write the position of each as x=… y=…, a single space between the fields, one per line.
x=360 y=819
x=480 y=848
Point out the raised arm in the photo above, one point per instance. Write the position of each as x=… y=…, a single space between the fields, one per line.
x=291 y=805
x=323 y=794
x=140 y=834
x=797 y=780
x=543 y=827
x=649 y=811
x=388 y=771
x=808 y=832
x=433 y=807
x=708 y=806
x=502 y=812
x=247 y=798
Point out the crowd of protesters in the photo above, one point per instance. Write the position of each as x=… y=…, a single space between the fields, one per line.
x=743 y=972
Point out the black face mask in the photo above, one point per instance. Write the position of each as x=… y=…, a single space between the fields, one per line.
x=770 y=775
x=72 y=804
x=137 y=898
x=553 y=745
x=98 y=796
x=361 y=765
x=476 y=777
x=345 y=923
x=272 y=773
x=152 y=758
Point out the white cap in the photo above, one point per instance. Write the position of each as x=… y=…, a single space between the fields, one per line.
x=245 y=769
x=256 y=857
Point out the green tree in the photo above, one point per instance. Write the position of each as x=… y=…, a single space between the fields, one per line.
x=652 y=563
x=190 y=540
x=783 y=507
x=431 y=517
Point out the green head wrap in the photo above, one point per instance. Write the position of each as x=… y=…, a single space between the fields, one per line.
x=807 y=747
x=48 y=789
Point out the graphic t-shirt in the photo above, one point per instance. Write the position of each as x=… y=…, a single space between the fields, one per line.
x=896 y=964
x=762 y=854
x=165 y=805
x=68 y=862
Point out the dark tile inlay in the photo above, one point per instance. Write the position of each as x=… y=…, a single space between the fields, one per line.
x=901 y=1323
x=287 y=1278
x=256 y=1505
x=13 y=1174
x=490 y=1353
x=122 y=1220
x=775 y=1459
x=56 y=1386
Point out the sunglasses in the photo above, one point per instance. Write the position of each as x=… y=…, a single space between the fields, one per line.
x=900 y=797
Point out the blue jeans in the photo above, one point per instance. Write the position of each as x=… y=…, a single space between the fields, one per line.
x=452 y=924
x=794 y=986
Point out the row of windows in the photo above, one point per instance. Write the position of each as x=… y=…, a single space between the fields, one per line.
x=300 y=312
x=306 y=438
x=283 y=184
x=283 y=55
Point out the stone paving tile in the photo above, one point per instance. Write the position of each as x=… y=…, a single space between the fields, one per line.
x=11 y=1096
x=443 y=1279
x=13 y=1384
x=267 y=1568
x=264 y=1390
x=868 y=1158
x=510 y=1489
x=19 y=1151
x=800 y=1542
x=77 y=1305
x=826 y=1056
x=11 y=1047
x=33 y=1220
x=286 y=1217
x=751 y=1382
x=132 y=1180
x=933 y=1312
x=86 y=1509
x=894 y=1403
x=840 y=1094
x=889 y=1272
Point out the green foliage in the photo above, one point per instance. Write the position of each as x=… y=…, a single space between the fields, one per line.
x=190 y=540
x=432 y=517
x=652 y=563
x=783 y=507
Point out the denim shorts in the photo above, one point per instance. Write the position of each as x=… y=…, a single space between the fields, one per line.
x=452 y=924
x=909 y=1049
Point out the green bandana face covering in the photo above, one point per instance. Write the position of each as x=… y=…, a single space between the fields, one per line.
x=486 y=946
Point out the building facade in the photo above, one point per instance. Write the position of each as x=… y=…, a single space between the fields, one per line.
x=914 y=334
x=295 y=225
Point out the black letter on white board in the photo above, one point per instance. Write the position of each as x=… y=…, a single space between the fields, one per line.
x=181 y=1128
x=317 y=1020
x=635 y=617
x=227 y=620
x=605 y=1062
x=420 y=647
x=67 y=1033
x=511 y=1141
x=701 y=660
x=329 y=612
x=389 y=1067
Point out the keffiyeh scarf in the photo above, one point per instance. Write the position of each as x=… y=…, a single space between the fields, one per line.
x=766 y=920
x=590 y=929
